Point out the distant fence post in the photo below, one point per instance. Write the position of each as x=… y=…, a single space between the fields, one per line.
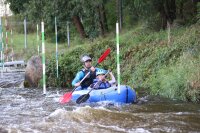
x=25 y=34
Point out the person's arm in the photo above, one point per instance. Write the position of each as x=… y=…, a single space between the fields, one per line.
x=77 y=79
x=113 y=80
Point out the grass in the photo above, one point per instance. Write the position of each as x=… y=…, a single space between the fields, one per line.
x=20 y=52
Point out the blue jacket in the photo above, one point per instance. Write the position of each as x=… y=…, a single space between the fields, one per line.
x=87 y=81
x=101 y=85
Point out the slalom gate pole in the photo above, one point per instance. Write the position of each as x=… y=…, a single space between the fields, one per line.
x=38 y=40
x=56 y=34
x=118 y=63
x=43 y=59
x=1 y=47
x=68 y=35
x=11 y=37
x=25 y=34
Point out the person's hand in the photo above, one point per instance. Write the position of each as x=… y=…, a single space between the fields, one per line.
x=77 y=84
x=110 y=73
x=92 y=69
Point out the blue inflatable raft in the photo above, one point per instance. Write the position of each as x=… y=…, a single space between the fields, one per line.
x=127 y=95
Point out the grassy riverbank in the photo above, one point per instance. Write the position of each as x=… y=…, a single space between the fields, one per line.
x=147 y=60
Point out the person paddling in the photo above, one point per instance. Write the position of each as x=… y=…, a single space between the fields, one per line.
x=87 y=64
x=104 y=83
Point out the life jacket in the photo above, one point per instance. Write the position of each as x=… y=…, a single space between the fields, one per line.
x=89 y=79
x=101 y=85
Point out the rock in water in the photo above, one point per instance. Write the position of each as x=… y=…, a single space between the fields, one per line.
x=33 y=72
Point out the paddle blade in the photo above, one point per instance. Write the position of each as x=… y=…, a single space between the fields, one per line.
x=83 y=98
x=66 y=98
x=104 y=55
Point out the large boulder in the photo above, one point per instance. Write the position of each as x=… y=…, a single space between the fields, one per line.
x=33 y=72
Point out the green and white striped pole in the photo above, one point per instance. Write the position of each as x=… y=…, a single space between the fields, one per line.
x=38 y=39
x=56 y=46
x=118 y=64
x=43 y=59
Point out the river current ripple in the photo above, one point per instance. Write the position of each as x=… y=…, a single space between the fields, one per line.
x=24 y=110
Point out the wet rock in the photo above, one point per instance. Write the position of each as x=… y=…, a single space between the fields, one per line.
x=33 y=72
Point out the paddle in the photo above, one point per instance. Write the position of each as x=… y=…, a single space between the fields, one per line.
x=85 y=97
x=67 y=96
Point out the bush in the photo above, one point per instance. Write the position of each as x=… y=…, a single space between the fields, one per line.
x=180 y=80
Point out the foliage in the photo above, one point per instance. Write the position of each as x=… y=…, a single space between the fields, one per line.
x=147 y=61
x=176 y=78
x=135 y=11
x=180 y=80
x=17 y=5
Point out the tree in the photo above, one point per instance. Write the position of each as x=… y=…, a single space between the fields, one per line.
x=17 y=5
x=89 y=17
x=119 y=13
x=102 y=17
x=167 y=10
x=79 y=26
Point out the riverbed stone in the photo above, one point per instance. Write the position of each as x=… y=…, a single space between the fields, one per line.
x=33 y=72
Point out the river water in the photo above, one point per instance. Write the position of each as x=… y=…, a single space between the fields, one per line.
x=25 y=110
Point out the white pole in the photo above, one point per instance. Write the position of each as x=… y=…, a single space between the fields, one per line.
x=25 y=36
x=1 y=47
x=12 y=44
x=1 y=63
x=43 y=59
x=2 y=55
x=56 y=33
x=68 y=35
x=7 y=45
x=38 y=40
x=118 y=64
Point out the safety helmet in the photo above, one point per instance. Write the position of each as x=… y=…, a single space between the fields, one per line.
x=100 y=71
x=85 y=58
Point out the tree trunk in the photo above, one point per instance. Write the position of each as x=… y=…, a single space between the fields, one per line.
x=170 y=10
x=101 y=26
x=119 y=12
x=167 y=10
x=79 y=26
x=164 y=20
x=195 y=5
x=181 y=10
x=104 y=19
